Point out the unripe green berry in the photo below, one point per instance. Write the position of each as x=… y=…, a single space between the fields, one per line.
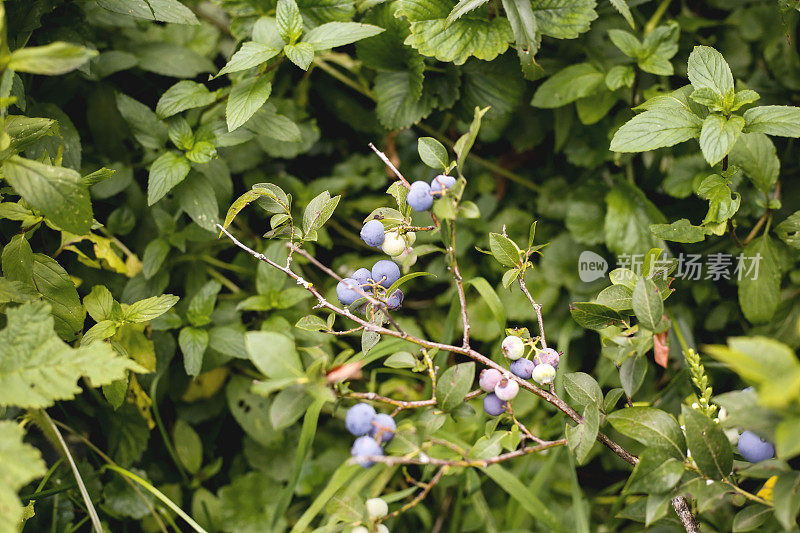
x=393 y=244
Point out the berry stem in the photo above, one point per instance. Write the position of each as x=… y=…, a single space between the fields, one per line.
x=390 y=165
x=536 y=307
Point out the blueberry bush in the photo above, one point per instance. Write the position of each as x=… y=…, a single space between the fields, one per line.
x=397 y=265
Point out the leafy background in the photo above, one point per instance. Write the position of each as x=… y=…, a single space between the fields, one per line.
x=131 y=126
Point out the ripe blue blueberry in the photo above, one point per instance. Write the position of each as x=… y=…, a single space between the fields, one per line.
x=358 y=419
x=383 y=425
x=513 y=347
x=385 y=272
x=489 y=379
x=372 y=233
x=365 y=447
x=346 y=291
x=419 y=196
x=522 y=368
x=755 y=449
x=493 y=405
x=548 y=356
x=362 y=276
x=395 y=300
x=506 y=389
x=441 y=183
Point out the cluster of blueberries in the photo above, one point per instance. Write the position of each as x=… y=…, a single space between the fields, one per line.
x=421 y=195
x=372 y=429
x=383 y=274
x=501 y=388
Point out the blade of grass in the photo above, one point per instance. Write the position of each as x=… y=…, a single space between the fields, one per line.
x=158 y=494
x=517 y=490
x=579 y=509
x=342 y=475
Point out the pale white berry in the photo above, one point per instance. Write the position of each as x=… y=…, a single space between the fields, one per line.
x=544 y=374
x=393 y=244
x=513 y=347
x=507 y=389
x=377 y=508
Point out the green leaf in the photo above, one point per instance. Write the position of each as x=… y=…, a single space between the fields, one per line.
x=432 y=152
x=202 y=303
x=722 y=203
x=786 y=497
x=582 y=437
x=652 y=427
x=288 y=406
x=250 y=196
x=627 y=42
x=250 y=55
x=471 y=35
x=464 y=143
x=647 y=304
x=564 y=19
x=759 y=290
x=490 y=297
x=318 y=211
x=655 y=472
x=656 y=128
x=751 y=518
x=99 y=303
x=504 y=250
x=787 y=438
x=165 y=173
x=145 y=126
x=58 y=290
x=334 y=34
x=780 y=120
x=245 y=99
x=193 y=343
x=617 y=297
x=453 y=385
x=583 y=388
x=718 y=135
x=711 y=451
x=38 y=368
x=154 y=255
x=196 y=197
x=789 y=230
x=567 y=85
x=463 y=7
x=273 y=354
x=149 y=308
x=708 y=69
x=399 y=101
x=161 y=10
x=180 y=133
x=622 y=7
x=23 y=464
x=188 y=446
x=629 y=214
x=172 y=60
x=756 y=155
x=250 y=410
x=312 y=323
x=301 y=54
x=595 y=316
x=658 y=47
x=289 y=21
x=405 y=279
x=526 y=36
x=632 y=373
x=52 y=59
x=526 y=498
x=400 y=360
x=679 y=231
x=59 y=193
x=182 y=96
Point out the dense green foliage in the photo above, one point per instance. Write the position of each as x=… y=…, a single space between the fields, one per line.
x=154 y=376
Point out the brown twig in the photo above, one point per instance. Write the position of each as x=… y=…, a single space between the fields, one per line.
x=371 y=396
x=390 y=165
x=419 y=497
x=536 y=307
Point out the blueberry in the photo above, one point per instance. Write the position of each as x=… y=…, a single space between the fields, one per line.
x=755 y=449
x=490 y=377
x=419 y=196
x=395 y=300
x=522 y=368
x=365 y=446
x=394 y=244
x=376 y=508
x=358 y=419
x=441 y=183
x=359 y=529
x=410 y=237
x=362 y=276
x=381 y=528
x=544 y=373
x=513 y=347
x=493 y=405
x=346 y=291
x=385 y=426
x=549 y=356
x=506 y=389
x=372 y=233
x=385 y=272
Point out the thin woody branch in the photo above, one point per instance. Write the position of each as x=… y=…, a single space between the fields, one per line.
x=402 y=405
x=536 y=307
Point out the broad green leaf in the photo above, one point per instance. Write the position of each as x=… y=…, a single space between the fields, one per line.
x=786 y=497
x=718 y=135
x=273 y=354
x=655 y=472
x=173 y=60
x=318 y=211
x=288 y=20
x=269 y=123
x=245 y=99
x=756 y=155
x=37 y=368
x=568 y=85
x=780 y=120
x=250 y=55
x=679 y=231
x=312 y=323
x=504 y=250
x=165 y=173
x=145 y=126
x=288 y=406
x=193 y=343
x=564 y=19
x=99 y=303
x=182 y=96
x=149 y=308
x=652 y=427
x=154 y=255
x=622 y=7
x=399 y=103
x=334 y=34
x=789 y=230
x=197 y=198
x=23 y=463
x=58 y=290
x=627 y=42
x=656 y=128
x=202 y=303
x=432 y=152
x=400 y=360
x=59 y=193
x=658 y=47
x=711 y=451
x=722 y=203
x=787 y=438
x=647 y=304
x=759 y=286
x=453 y=384
x=708 y=69
x=188 y=446
x=527 y=37
x=632 y=373
x=583 y=388
x=582 y=437
x=301 y=54
x=751 y=518
x=629 y=214
x=595 y=316
x=52 y=59
x=161 y=10
x=245 y=199
x=617 y=297
x=250 y=410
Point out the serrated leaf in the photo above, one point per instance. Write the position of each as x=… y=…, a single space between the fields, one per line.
x=245 y=99
x=780 y=120
x=453 y=385
x=759 y=286
x=564 y=19
x=718 y=135
x=182 y=96
x=301 y=54
x=149 y=308
x=165 y=173
x=756 y=155
x=193 y=343
x=334 y=34
x=656 y=128
x=23 y=464
x=288 y=20
x=707 y=68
